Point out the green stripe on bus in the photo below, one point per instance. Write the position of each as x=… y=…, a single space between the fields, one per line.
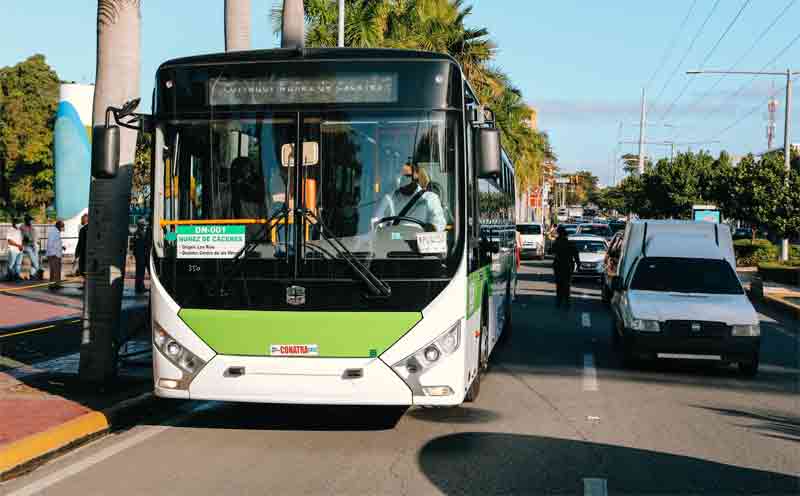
x=337 y=334
x=476 y=283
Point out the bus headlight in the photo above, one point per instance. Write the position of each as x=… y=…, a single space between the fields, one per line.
x=645 y=325
x=189 y=363
x=411 y=367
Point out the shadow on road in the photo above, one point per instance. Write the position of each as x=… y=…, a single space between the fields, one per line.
x=471 y=415
x=253 y=416
x=772 y=424
x=498 y=463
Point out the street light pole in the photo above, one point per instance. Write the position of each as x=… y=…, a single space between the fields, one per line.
x=787 y=144
x=341 y=24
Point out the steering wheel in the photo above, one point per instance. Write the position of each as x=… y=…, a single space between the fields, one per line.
x=397 y=219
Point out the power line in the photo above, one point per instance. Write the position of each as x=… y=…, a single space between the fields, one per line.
x=750 y=82
x=671 y=46
x=746 y=53
x=686 y=54
x=706 y=58
x=745 y=116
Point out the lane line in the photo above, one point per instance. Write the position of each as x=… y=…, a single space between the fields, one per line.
x=37 y=329
x=589 y=373
x=586 y=319
x=595 y=487
x=105 y=454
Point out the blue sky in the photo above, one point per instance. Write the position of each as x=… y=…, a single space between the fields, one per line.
x=581 y=63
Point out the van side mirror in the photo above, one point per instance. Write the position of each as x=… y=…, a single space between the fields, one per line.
x=105 y=152
x=487 y=152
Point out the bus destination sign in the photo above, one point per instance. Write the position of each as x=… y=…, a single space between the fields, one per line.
x=210 y=241
x=277 y=90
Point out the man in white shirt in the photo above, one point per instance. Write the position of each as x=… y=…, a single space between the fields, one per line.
x=426 y=206
x=55 y=250
x=14 y=249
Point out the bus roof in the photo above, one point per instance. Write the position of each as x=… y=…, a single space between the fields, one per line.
x=285 y=54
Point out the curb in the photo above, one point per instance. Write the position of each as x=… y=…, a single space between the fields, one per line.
x=777 y=301
x=28 y=326
x=27 y=453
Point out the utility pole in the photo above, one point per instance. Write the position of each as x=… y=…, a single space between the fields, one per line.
x=642 y=125
x=341 y=23
x=787 y=142
x=787 y=151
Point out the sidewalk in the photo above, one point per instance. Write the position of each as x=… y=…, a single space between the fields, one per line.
x=44 y=408
x=786 y=298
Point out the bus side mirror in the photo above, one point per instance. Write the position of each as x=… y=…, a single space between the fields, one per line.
x=487 y=152
x=105 y=152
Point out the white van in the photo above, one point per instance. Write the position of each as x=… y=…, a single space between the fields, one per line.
x=677 y=295
x=532 y=235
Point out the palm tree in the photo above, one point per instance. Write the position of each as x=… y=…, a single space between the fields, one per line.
x=117 y=81
x=237 y=25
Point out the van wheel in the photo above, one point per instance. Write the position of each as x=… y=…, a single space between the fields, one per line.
x=750 y=368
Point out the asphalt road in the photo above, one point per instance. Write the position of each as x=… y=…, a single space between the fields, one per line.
x=557 y=415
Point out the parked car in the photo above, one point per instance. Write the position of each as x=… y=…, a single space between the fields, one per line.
x=611 y=263
x=592 y=253
x=532 y=236
x=595 y=229
x=677 y=296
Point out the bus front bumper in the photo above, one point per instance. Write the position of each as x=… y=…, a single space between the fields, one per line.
x=295 y=380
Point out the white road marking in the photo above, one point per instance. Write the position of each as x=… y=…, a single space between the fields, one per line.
x=595 y=487
x=80 y=466
x=589 y=373
x=586 y=319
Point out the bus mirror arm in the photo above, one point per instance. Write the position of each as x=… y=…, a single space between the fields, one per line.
x=126 y=117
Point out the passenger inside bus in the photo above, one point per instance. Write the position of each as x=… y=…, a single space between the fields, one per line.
x=247 y=192
x=411 y=200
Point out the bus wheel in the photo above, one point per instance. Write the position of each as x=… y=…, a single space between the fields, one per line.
x=483 y=356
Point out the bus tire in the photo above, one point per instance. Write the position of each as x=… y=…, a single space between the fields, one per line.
x=483 y=355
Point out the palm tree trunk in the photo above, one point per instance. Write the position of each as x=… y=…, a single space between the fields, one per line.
x=117 y=81
x=237 y=25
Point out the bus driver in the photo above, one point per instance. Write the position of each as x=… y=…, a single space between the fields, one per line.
x=410 y=200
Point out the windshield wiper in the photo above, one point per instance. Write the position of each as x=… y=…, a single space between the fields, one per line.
x=375 y=285
x=259 y=238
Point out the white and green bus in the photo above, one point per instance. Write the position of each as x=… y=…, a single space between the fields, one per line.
x=330 y=227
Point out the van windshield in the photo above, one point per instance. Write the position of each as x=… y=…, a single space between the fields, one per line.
x=686 y=275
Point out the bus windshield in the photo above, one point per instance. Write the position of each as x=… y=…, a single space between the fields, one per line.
x=384 y=184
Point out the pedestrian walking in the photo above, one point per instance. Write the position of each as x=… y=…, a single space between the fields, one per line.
x=55 y=251
x=30 y=245
x=141 y=252
x=14 y=250
x=80 y=249
x=564 y=263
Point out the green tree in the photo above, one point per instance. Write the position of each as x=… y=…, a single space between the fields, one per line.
x=140 y=182
x=28 y=101
x=752 y=191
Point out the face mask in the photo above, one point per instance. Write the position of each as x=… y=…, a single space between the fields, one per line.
x=404 y=181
